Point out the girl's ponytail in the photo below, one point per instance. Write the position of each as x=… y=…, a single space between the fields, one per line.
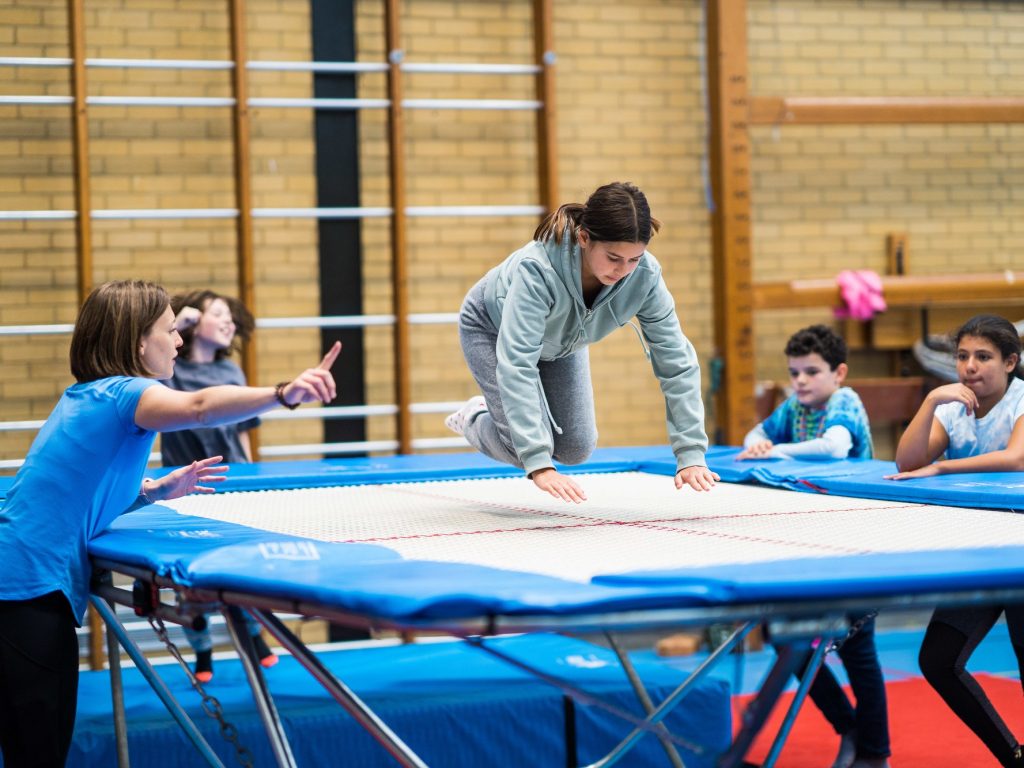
x=554 y=224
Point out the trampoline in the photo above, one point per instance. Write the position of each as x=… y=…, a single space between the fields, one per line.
x=459 y=544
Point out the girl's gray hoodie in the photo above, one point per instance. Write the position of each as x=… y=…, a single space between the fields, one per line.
x=535 y=300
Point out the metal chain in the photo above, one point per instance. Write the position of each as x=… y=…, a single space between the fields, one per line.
x=211 y=706
x=854 y=629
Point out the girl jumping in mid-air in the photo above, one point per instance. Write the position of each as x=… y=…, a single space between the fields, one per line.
x=525 y=328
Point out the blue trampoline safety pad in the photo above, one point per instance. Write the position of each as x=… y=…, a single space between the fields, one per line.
x=454 y=704
x=865 y=478
x=375 y=581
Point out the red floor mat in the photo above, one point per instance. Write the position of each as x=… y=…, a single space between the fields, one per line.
x=923 y=731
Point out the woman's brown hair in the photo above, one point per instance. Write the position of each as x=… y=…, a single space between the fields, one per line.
x=244 y=322
x=615 y=213
x=107 y=340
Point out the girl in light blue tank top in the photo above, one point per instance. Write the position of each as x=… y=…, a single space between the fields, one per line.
x=975 y=425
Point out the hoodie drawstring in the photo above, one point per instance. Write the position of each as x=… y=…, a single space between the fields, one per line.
x=643 y=341
x=547 y=408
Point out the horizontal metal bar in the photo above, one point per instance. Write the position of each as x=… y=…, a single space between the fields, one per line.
x=46 y=100
x=474 y=210
x=360 y=447
x=331 y=412
x=472 y=69
x=336 y=321
x=36 y=330
x=37 y=215
x=34 y=61
x=165 y=213
x=433 y=318
x=483 y=104
x=209 y=64
x=20 y=426
x=160 y=101
x=320 y=103
x=304 y=448
x=345 y=411
x=366 y=212
x=426 y=443
x=283 y=103
x=59 y=61
x=349 y=67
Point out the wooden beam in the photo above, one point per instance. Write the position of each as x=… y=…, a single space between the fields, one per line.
x=814 y=110
x=83 y=224
x=730 y=219
x=80 y=155
x=898 y=291
x=547 y=134
x=399 y=244
x=243 y=190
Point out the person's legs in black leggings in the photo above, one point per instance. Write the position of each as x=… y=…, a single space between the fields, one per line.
x=949 y=641
x=38 y=681
x=860 y=658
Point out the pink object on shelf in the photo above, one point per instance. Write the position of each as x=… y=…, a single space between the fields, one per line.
x=861 y=290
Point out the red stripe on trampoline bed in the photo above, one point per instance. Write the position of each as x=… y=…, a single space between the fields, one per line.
x=620 y=524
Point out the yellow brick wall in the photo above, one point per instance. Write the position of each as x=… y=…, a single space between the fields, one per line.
x=151 y=157
x=630 y=107
x=826 y=196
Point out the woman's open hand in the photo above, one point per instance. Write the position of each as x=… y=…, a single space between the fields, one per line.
x=186 y=480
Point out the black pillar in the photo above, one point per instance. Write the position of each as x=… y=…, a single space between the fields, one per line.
x=337 y=173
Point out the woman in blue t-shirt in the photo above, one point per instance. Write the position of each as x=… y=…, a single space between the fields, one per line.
x=977 y=424
x=85 y=468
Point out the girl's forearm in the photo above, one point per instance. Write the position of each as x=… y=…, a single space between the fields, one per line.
x=912 y=450
x=996 y=461
x=228 y=404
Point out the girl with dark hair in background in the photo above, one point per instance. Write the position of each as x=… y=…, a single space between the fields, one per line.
x=210 y=325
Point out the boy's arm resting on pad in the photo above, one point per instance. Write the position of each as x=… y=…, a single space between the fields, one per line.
x=835 y=443
x=756 y=445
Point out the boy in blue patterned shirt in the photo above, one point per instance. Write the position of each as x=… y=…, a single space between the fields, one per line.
x=823 y=419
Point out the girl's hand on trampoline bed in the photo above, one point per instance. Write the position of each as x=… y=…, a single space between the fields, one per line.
x=558 y=485
x=186 y=480
x=697 y=477
x=314 y=384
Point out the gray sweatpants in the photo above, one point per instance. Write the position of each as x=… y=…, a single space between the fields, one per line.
x=566 y=385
